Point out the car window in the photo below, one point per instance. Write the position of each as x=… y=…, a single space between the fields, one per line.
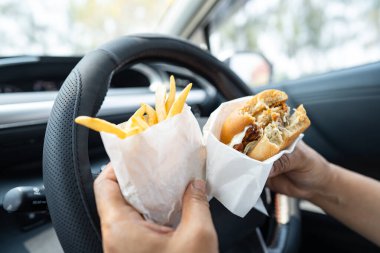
x=300 y=37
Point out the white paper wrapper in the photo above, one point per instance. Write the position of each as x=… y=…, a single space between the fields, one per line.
x=233 y=178
x=154 y=167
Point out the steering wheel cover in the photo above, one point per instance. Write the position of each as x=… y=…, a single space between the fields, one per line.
x=66 y=167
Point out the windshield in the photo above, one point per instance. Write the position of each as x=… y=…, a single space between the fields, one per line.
x=73 y=27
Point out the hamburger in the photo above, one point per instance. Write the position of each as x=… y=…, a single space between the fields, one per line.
x=264 y=126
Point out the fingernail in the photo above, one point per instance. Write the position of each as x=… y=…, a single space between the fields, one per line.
x=199 y=185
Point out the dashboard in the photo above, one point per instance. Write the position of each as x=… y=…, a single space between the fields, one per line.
x=29 y=86
x=40 y=74
x=128 y=78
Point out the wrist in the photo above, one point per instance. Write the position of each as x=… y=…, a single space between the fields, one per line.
x=324 y=190
x=321 y=173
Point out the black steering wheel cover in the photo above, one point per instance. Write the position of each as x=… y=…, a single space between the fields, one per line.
x=66 y=167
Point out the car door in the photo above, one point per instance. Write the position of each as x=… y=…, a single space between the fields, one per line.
x=326 y=57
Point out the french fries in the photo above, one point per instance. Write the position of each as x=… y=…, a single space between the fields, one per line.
x=145 y=116
x=180 y=101
x=171 y=97
x=140 y=123
x=104 y=126
x=160 y=103
x=140 y=112
x=152 y=116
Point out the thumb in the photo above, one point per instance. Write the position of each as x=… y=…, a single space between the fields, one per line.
x=195 y=208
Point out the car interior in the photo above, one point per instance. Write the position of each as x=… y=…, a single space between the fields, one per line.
x=323 y=55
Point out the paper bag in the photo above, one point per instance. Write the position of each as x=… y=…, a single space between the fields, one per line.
x=233 y=178
x=154 y=167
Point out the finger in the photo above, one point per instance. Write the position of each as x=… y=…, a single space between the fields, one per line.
x=282 y=184
x=108 y=173
x=282 y=165
x=293 y=161
x=279 y=184
x=195 y=209
x=109 y=200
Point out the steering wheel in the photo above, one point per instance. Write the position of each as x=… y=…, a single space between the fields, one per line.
x=66 y=167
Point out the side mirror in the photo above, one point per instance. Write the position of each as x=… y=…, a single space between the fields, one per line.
x=253 y=68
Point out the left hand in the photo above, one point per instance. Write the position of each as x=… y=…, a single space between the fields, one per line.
x=301 y=174
x=124 y=230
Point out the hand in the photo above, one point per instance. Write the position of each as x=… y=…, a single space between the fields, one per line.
x=124 y=230
x=341 y=193
x=300 y=174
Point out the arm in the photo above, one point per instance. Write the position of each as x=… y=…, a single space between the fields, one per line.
x=351 y=198
x=354 y=200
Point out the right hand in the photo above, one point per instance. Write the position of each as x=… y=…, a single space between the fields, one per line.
x=301 y=174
